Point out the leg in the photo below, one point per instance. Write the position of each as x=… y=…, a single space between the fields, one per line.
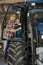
x=8 y=42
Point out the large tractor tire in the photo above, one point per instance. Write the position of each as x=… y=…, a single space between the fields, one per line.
x=16 y=53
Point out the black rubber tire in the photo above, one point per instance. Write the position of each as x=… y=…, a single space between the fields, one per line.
x=15 y=54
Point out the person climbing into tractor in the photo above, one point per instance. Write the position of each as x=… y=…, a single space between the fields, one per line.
x=11 y=30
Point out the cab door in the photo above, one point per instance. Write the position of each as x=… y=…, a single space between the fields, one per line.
x=12 y=9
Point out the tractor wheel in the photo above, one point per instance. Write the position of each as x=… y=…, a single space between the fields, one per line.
x=15 y=54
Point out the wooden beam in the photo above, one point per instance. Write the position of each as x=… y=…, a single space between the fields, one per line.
x=11 y=1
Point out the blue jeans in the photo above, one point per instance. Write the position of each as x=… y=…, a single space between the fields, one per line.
x=19 y=34
x=7 y=45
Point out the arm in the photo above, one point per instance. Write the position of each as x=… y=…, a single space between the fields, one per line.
x=14 y=30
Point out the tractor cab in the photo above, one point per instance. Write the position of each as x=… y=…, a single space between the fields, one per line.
x=13 y=9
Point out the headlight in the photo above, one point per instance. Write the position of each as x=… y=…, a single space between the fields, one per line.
x=41 y=36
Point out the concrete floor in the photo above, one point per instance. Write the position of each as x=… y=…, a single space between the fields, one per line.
x=2 y=62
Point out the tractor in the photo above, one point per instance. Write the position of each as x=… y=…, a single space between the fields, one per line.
x=27 y=49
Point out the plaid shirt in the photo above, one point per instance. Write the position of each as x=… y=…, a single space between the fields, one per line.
x=9 y=33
